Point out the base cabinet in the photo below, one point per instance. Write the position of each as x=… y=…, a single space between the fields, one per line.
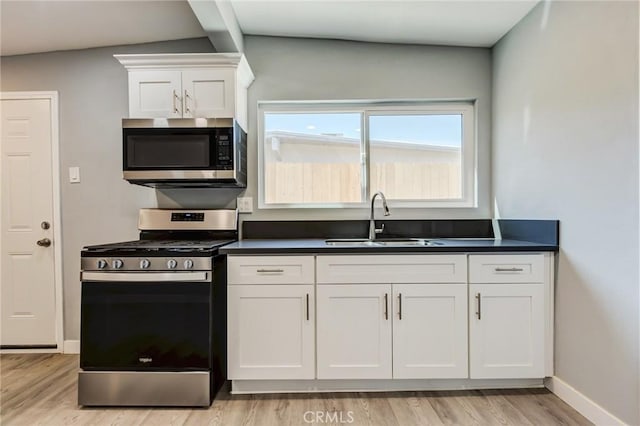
x=354 y=331
x=430 y=331
x=506 y=331
x=313 y=319
x=270 y=318
x=271 y=332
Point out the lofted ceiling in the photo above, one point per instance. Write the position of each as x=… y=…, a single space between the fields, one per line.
x=29 y=26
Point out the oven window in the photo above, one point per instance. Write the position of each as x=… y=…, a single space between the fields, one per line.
x=143 y=326
x=179 y=151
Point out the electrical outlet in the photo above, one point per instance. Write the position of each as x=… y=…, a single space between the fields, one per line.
x=245 y=204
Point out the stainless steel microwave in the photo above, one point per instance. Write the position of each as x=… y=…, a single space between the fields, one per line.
x=184 y=153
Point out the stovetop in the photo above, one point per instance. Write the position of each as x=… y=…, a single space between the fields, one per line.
x=140 y=247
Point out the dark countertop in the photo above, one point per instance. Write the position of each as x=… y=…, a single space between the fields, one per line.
x=449 y=245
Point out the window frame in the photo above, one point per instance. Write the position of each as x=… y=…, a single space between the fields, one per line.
x=466 y=108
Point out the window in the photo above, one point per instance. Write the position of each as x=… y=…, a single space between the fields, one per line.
x=338 y=155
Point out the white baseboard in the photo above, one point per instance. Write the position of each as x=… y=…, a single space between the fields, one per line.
x=581 y=403
x=71 y=347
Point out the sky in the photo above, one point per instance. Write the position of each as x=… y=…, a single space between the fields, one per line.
x=441 y=130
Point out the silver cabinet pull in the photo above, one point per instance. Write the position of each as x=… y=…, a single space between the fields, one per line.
x=509 y=270
x=175 y=107
x=386 y=306
x=186 y=102
x=479 y=311
x=270 y=271
x=399 y=306
x=307 y=306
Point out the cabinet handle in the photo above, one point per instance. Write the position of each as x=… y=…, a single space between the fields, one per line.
x=186 y=102
x=509 y=270
x=386 y=306
x=307 y=306
x=270 y=271
x=399 y=306
x=479 y=311
x=175 y=96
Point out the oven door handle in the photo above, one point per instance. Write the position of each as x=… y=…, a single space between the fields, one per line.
x=145 y=277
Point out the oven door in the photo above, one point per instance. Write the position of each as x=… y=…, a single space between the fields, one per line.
x=146 y=321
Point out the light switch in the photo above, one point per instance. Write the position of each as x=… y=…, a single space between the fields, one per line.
x=245 y=204
x=74 y=174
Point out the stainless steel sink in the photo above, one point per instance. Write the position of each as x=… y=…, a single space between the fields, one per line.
x=382 y=242
x=407 y=242
x=351 y=242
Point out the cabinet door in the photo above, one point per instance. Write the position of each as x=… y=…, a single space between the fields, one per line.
x=430 y=331
x=354 y=331
x=271 y=332
x=506 y=330
x=155 y=94
x=208 y=93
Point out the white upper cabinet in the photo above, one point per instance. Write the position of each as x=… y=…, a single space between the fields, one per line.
x=190 y=85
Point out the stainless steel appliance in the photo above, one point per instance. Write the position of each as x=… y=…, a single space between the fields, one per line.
x=153 y=312
x=184 y=153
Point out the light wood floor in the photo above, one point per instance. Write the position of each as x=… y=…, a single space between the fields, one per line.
x=41 y=389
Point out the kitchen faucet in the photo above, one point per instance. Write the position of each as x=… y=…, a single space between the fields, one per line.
x=372 y=223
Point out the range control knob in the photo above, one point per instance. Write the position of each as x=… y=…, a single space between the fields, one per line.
x=144 y=264
x=102 y=264
x=171 y=263
x=117 y=263
x=188 y=264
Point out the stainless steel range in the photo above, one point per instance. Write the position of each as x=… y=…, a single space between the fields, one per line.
x=153 y=312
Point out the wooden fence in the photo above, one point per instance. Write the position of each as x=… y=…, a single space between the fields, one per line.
x=340 y=182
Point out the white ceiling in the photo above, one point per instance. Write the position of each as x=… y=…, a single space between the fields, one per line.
x=44 y=26
x=29 y=26
x=450 y=22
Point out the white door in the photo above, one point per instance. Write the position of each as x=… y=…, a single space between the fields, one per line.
x=209 y=93
x=354 y=331
x=506 y=329
x=430 y=331
x=271 y=332
x=27 y=262
x=155 y=94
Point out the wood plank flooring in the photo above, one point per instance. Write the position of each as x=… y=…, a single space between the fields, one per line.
x=41 y=389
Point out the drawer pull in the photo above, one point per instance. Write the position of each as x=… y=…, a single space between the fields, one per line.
x=399 y=306
x=509 y=270
x=479 y=311
x=270 y=271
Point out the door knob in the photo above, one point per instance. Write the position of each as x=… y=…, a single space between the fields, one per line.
x=45 y=242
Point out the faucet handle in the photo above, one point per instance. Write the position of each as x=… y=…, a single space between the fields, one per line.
x=379 y=230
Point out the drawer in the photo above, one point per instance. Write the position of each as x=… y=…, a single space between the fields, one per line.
x=506 y=268
x=388 y=269
x=270 y=270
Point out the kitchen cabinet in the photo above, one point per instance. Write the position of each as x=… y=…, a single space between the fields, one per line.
x=271 y=327
x=507 y=316
x=430 y=331
x=354 y=331
x=188 y=85
x=410 y=309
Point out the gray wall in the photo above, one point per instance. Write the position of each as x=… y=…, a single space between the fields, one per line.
x=565 y=146
x=92 y=87
x=310 y=69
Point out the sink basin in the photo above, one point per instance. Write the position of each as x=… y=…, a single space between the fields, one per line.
x=351 y=242
x=407 y=242
x=382 y=242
